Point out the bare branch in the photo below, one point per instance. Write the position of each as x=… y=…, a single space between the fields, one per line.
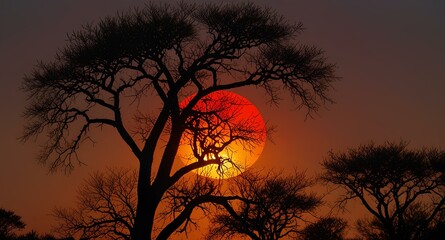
x=106 y=207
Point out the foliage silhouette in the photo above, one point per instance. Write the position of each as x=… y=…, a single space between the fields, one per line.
x=159 y=54
x=33 y=235
x=328 y=228
x=404 y=190
x=270 y=207
x=9 y=223
x=415 y=216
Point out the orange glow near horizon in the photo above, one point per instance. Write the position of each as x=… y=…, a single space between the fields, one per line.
x=231 y=131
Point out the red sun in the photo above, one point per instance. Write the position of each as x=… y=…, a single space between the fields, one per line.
x=224 y=129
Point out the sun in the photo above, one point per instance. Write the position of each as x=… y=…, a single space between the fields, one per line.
x=224 y=129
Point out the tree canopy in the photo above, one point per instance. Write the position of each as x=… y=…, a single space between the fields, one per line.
x=403 y=189
x=139 y=64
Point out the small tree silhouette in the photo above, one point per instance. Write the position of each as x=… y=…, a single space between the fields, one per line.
x=164 y=52
x=391 y=182
x=106 y=207
x=270 y=207
x=9 y=222
x=33 y=235
x=327 y=228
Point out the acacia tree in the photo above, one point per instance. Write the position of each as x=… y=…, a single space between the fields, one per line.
x=390 y=181
x=165 y=52
x=270 y=206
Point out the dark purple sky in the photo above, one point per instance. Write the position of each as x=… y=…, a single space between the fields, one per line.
x=390 y=55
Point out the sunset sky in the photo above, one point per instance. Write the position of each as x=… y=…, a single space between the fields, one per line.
x=390 y=56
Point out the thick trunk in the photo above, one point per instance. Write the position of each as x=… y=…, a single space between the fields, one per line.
x=150 y=194
x=148 y=201
x=143 y=223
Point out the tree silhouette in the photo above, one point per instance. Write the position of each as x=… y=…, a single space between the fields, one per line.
x=106 y=207
x=270 y=207
x=267 y=205
x=33 y=235
x=416 y=215
x=327 y=228
x=390 y=181
x=9 y=222
x=147 y=59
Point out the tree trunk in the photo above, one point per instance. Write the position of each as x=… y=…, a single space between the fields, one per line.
x=145 y=214
x=148 y=201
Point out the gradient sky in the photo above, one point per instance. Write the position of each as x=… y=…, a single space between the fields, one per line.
x=390 y=56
